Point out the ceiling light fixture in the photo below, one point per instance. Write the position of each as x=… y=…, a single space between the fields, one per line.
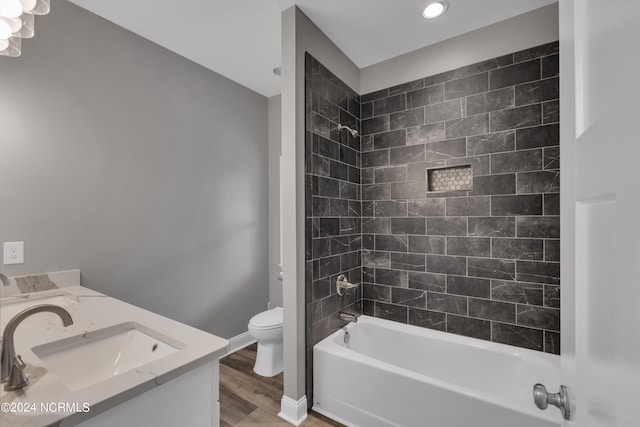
x=433 y=10
x=16 y=23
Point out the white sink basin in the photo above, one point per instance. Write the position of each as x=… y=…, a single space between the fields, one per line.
x=93 y=357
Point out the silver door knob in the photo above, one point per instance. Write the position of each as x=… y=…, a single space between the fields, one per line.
x=560 y=400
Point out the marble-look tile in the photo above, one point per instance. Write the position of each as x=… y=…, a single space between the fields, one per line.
x=427 y=96
x=492 y=268
x=408 y=262
x=466 y=86
x=390 y=174
x=434 y=245
x=448 y=149
x=516 y=205
x=531 y=249
x=447 y=226
x=447 y=264
x=539 y=317
x=538 y=91
x=390 y=139
x=517 y=335
x=388 y=105
x=551 y=342
x=539 y=227
x=394 y=243
x=469 y=246
x=409 y=297
x=518 y=117
x=426 y=133
x=409 y=225
x=490 y=101
x=468 y=206
x=551 y=204
x=454 y=109
x=445 y=303
x=518 y=161
x=517 y=292
x=550 y=112
x=492 y=227
x=376 y=292
x=469 y=286
x=408 y=190
x=427 y=281
x=494 y=185
x=391 y=277
x=376 y=192
x=539 y=136
x=375 y=125
x=514 y=74
x=491 y=143
x=538 y=272
x=468 y=126
x=427 y=207
x=408 y=154
x=552 y=250
x=406 y=119
x=428 y=319
x=492 y=310
x=474 y=328
x=376 y=259
x=397 y=313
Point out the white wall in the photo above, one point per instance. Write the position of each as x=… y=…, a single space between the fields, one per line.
x=144 y=170
x=275 y=149
x=530 y=29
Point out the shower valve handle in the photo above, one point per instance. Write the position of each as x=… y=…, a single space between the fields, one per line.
x=342 y=284
x=560 y=400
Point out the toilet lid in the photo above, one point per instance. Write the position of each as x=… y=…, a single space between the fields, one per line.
x=269 y=319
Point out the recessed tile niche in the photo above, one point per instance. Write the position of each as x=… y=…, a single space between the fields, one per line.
x=454 y=178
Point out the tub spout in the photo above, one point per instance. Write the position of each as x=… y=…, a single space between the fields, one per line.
x=349 y=317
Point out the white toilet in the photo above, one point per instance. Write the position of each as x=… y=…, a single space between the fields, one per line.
x=266 y=328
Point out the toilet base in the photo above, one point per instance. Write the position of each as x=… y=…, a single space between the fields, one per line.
x=268 y=360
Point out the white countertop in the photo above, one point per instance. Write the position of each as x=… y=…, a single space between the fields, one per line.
x=92 y=311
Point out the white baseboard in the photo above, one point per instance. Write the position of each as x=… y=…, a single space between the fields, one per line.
x=239 y=341
x=294 y=412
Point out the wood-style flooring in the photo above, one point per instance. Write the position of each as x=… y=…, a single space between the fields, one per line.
x=248 y=400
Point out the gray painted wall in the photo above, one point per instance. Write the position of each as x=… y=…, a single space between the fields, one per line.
x=275 y=149
x=530 y=29
x=137 y=166
x=299 y=35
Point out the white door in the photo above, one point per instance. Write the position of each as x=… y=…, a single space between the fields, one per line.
x=600 y=217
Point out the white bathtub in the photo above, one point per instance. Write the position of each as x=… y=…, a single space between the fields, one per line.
x=391 y=374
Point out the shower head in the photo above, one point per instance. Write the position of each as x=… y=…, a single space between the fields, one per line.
x=353 y=132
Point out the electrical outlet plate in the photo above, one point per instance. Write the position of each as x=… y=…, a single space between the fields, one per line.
x=13 y=253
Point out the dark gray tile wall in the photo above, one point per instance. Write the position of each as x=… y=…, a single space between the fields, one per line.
x=481 y=263
x=332 y=201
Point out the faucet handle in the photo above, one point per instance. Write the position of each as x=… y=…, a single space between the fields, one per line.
x=17 y=377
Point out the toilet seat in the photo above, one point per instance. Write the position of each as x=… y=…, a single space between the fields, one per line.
x=270 y=319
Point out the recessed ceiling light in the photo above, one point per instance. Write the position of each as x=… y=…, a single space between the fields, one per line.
x=433 y=10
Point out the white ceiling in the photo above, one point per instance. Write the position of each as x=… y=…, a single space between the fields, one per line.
x=240 y=39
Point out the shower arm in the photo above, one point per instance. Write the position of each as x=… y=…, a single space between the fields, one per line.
x=353 y=132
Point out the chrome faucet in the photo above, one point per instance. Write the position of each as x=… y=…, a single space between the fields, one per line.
x=4 y=279
x=349 y=317
x=12 y=364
